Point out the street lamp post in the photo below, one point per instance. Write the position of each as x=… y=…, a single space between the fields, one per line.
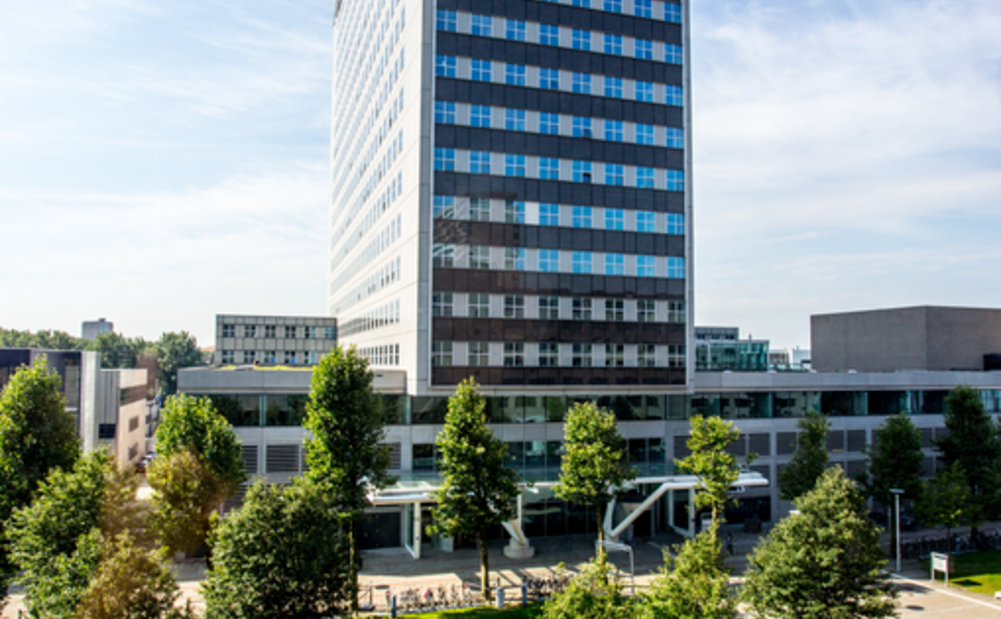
x=896 y=492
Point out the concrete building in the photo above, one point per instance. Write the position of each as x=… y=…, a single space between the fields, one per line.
x=910 y=338
x=92 y=328
x=111 y=407
x=273 y=340
x=720 y=349
x=510 y=193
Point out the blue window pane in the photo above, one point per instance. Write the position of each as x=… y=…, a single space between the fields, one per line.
x=581 y=127
x=675 y=223
x=613 y=87
x=645 y=266
x=514 y=120
x=549 y=168
x=581 y=217
x=549 y=123
x=514 y=165
x=549 y=35
x=613 y=130
x=549 y=215
x=549 y=79
x=582 y=262
x=582 y=171
x=614 y=174
x=644 y=49
x=514 y=74
x=675 y=267
x=515 y=30
x=673 y=96
x=481 y=25
x=643 y=8
x=675 y=180
x=581 y=83
x=644 y=134
x=444 y=159
x=672 y=12
x=549 y=260
x=581 y=39
x=672 y=54
x=643 y=91
x=675 y=138
x=613 y=44
x=644 y=221
x=446 y=20
x=614 y=219
x=479 y=70
x=644 y=178
x=444 y=207
x=479 y=162
x=444 y=66
x=614 y=264
x=479 y=115
x=444 y=112
x=613 y=6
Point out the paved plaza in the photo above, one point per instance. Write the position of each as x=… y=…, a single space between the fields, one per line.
x=394 y=571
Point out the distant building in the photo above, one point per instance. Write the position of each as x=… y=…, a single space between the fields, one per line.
x=789 y=359
x=110 y=407
x=907 y=338
x=720 y=349
x=273 y=340
x=93 y=328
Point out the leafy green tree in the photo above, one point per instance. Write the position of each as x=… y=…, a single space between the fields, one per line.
x=477 y=490
x=187 y=494
x=715 y=467
x=809 y=458
x=974 y=443
x=823 y=563
x=84 y=549
x=595 y=593
x=697 y=586
x=36 y=435
x=346 y=455
x=175 y=351
x=283 y=554
x=946 y=501
x=893 y=461
x=49 y=340
x=594 y=467
x=118 y=351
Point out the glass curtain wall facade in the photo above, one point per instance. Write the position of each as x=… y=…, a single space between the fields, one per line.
x=561 y=218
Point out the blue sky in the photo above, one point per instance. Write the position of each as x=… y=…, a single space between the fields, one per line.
x=164 y=162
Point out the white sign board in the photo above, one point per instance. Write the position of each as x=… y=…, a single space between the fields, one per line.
x=940 y=563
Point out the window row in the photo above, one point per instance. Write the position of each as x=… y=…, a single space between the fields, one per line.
x=271 y=357
x=289 y=332
x=386 y=275
x=483 y=305
x=551 y=214
x=556 y=354
x=387 y=354
x=556 y=261
x=382 y=242
x=555 y=169
x=557 y=36
x=388 y=314
x=480 y=70
x=497 y=117
x=651 y=9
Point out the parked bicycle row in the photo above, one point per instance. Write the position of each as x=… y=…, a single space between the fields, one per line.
x=440 y=597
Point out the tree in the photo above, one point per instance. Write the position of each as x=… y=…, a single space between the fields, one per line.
x=595 y=593
x=809 y=458
x=49 y=340
x=946 y=501
x=477 y=489
x=36 y=435
x=594 y=466
x=84 y=550
x=283 y=554
x=346 y=455
x=186 y=493
x=175 y=351
x=824 y=562
x=716 y=468
x=698 y=586
x=893 y=461
x=118 y=351
x=974 y=443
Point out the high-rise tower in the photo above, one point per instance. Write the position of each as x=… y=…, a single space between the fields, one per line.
x=511 y=192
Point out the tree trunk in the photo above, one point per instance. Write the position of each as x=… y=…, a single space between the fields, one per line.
x=484 y=567
x=352 y=570
x=600 y=515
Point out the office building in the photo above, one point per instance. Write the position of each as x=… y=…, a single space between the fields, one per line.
x=511 y=193
x=92 y=328
x=273 y=340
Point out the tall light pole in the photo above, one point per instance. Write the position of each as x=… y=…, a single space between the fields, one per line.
x=896 y=492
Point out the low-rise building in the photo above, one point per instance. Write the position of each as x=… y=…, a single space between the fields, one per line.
x=273 y=340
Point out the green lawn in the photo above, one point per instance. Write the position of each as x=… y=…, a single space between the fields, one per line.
x=979 y=572
x=485 y=612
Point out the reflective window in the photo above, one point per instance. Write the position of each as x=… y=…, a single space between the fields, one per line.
x=646 y=310
x=644 y=178
x=615 y=310
x=675 y=180
x=549 y=79
x=581 y=262
x=479 y=257
x=614 y=264
x=444 y=207
x=514 y=306
x=675 y=267
x=644 y=221
x=643 y=91
x=673 y=96
x=672 y=12
x=479 y=70
x=675 y=223
x=479 y=115
x=614 y=219
x=478 y=354
x=675 y=138
x=646 y=356
x=549 y=214
x=514 y=165
x=514 y=212
x=672 y=54
x=581 y=217
x=643 y=8
x=645 y=266
x=615 y=355
x=549 y=355
x=643 y=49
x=479 y=209
x=514 y=120
x=644 y=134
x=549 y=35
x=581 y=127
x=444 y=66
x=479 y=305
x=441 y=304
x=614 y=174
x=444 y=112
x=581 y=308
x=613 y=6
x=549 y=308
x=582 y=171
x=479 y=162
x=613 y=44
x=549 y=260
x=481 y=25
x=446 y=20
x=443 y=255
x=581 y=39
x=549 y=168
x=613 y=130
x=514 y=74
x=515 y=30
x=613 y=87
x=444 y=158
x=441 y=354
x=582 y=355
x=514 y=354
x=549 y=123
x=514 y=259
x=581 y=83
